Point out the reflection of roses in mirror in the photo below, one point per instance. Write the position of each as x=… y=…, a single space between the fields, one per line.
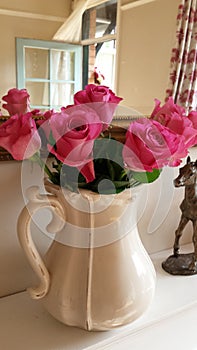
x=83 y=152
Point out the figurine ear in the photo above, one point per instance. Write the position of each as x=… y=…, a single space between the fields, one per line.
x=188 y=160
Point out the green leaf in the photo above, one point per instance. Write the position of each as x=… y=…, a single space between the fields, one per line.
x=51 y=139
x=146 y=177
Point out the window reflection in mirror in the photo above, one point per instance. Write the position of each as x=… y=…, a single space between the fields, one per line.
x=50 y=71
x=99 y=40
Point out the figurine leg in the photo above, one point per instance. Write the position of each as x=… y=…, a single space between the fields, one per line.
x=178 y=234
x=193 y=265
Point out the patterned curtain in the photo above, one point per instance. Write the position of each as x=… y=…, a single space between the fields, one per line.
x=183 y=70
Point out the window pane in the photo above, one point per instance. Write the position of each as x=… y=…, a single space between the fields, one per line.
x=62 y=94
x=101 y=59
x=36 y=63
x=39 y=93
x=48 y=68
x=105 y=62
x=62 y=65
x=100 y=20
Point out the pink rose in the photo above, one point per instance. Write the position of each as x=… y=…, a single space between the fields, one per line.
x=192 y=116
x=44 y=123
x=101 y=99
x=150 y=145
x=46 y=116
x=19 y=136
x=17 y=101
x=174 y=117
x=164 y=113
x=95 y=93
x=74 y=131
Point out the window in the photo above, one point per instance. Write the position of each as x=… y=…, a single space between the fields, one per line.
x=99 y=43
x=50 y=71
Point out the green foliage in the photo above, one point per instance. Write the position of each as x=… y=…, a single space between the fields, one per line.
x=146 y=177
x=110 y=173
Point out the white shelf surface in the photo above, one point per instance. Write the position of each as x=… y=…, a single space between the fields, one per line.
x=169 y=323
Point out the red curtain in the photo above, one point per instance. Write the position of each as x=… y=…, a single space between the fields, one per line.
x=183 y=70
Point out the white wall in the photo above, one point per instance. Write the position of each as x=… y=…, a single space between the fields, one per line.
x=15 y=273
x=29 y=19
x=146 y=37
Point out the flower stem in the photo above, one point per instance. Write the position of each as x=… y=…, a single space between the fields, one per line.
x=36 y=158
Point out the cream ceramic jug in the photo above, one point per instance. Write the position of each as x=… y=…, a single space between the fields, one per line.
x=96 y=274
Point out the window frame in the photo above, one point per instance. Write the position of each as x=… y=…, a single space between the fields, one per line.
x=21 y=80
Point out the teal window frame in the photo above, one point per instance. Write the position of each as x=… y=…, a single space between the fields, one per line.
x=21 y=80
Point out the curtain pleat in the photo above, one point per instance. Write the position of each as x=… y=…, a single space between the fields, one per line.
x=70 y=31
x=183 y=72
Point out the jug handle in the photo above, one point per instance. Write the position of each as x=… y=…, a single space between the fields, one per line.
x=36 y=202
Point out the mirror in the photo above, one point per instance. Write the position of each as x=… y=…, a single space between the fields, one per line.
x=145 y=38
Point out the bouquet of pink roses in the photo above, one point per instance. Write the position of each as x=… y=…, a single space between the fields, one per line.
x=84 y=155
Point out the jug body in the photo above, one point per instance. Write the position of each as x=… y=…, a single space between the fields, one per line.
x=99 y=276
